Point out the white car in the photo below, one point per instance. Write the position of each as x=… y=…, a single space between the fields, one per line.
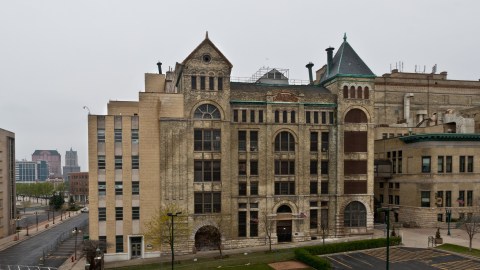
x=84 y=210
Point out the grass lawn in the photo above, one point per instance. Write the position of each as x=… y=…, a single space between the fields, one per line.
x=252 y=261
x=460 y=249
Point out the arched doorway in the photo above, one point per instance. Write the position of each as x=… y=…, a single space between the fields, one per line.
x=284 y=224
x=207 y=238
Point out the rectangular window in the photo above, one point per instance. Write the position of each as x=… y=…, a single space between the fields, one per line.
x=440 y=217
x=380 y=184
x=242 y=140
x=194 y=82
x=119 y=243
x=135 y=162
x=470 y=164
x=244 y=116
x=439 y=200
x=313 y=167
x=220 y=83
x=425 y=164
x=461 y=165
x=118 y=188
x=118 y=213
x=260 y=116
x=101 y=162
x=293 y=118
x=252 y=116
x=202 y=82
x=381 y=198
x=448 y=198
x=235 y=116
x=284 y=167
x=324 y=167
x=469 y=197
x=253 y=223
x=118 y=135
x=253 y=188
x=285 y=117
x=331 y=118
x=440 y=163
x=242 y=224
x=253 y=167
x=425 y=198
x=448 y=164
x=242 y=167
x=325 y=142
x=399 y=161
x=397 y=185
x=315 y=117
x=313 y=218
x=313 y=187
x=207 y=170
x=324 y=187
x=207 y=202
x=102 y=188
x=324 y=117
x=461 y=198
x=207 y=139
x=277 y=117
x=135 y=213
x=118 y=162
x=242 y=189
x=397 y=200
x=102 y=243
x=102 y=214
x=284 y=188
x=390 y=199
x=253 y=140
x=100 y=135
x=135 y=188
x=313 y=141
x=307 y=117
x=211 y=83
x=135 y=137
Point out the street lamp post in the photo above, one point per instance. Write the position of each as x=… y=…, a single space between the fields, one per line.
x=387 y=219
x=36 y=219
x=172 y=215
x=18 y=226
x=448 y=211
x=75 y=231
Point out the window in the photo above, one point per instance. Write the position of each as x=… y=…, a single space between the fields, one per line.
x=242 y=205
x=284 y=141
x=461 y=198
x=260 y=116
x=324 y=187
x=324 y=166
x=366 y=94
x=284 y=188
x=397 y=185
x=244 y=116
x=253 y=167
x=211 y=83
x=135 y=188
x=448 y=167
x=101 y=162
x=102 y=214
x=242 y=224
x=440 y=163
x=207 y=170
x=425 y=199
x=461 y=165
x=253 y=205
x=352 y=92
x=345 y=91
x=440 y=217
x=292 y=117
x=380 y=184
x=359 y=92
x=253 y=188
x=470 y=164
x=202 y=82
x=253 y=140
x=220 y=83
x=381 y=198
x=118 y=162
x=313 y=187
x=194 y=82
x=439 y=199
x=355 y=215
x=206 y=111
x=331 y=118
x=284 y=167
x=118 y=213
x=285 y=117
x=307 y=117
x=325 y=143
x=253 y=223
x=313 y=141
x=313 y=167
x=397 y=200
x=448 y=198
x=324 y=117
x=242 y=189
x=277 y=117
x=102 y=188
x=390 y=199
x=207 y=202
x=252 y=116
x=135 y=213
x=207 y=139
x=118 y=135
x=390 y=185
x=425 y=164
x=242 y=167
x=242 y=140
x=135 y=137
x=100 y=135
x=119 y=243
x=315 y=117
x=102 y=243
x=135 y=162
x=118 y=188
x=313 y=204
x=235 y=116
x=469 y=197
x=313 y=218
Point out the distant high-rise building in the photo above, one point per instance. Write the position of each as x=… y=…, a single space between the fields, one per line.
x=53 y=158
x=31 y=171
x=71 y=163
x=7 y=183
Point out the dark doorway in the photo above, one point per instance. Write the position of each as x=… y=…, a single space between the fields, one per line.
x=284 y=224
x=207 y=238
x=136 y=247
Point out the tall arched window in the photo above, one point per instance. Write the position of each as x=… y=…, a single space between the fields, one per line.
x=284 y=141
x=277 y=116
x=359 y=92
x=366 y=94
x=207 y=111
x=355 y=215
x=352 y=92
x=356 y=116
x=345 y=91
x=292 y=117
x=285 y=117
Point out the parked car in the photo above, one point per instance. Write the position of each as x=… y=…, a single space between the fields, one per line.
x=84 y=210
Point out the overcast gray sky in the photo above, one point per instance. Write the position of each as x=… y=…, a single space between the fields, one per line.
x=58 y=56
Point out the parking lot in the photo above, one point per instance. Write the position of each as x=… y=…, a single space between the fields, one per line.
x=402 y=258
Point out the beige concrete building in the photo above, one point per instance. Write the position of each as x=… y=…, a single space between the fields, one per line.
x=7 y=183
x=235 y=155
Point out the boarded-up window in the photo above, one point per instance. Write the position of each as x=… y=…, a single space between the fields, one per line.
x=355 y=167
x=356 y=116
x=355 y=187
x=355 y=141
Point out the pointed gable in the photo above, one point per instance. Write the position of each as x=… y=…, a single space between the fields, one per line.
x=347 y=63
x=205 y=43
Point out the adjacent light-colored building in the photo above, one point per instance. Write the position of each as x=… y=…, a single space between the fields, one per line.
x=7 y=183
x=54 y=160
x=236 y=153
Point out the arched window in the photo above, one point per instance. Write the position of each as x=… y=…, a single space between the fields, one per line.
x=356 y=116
x=284 y=141
x=277 y=116
x=345 y=91
x=207 y=111
x=284 y=209
x=355 y=215
x=359 y=92
x=292 y=117
x=285 y=117
x=366 y=94
x=352 y=92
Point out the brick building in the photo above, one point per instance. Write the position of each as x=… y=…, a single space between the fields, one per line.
x=78 y=186
x=54 y=160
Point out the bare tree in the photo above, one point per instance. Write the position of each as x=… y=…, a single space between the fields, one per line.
x=267 y=225
x=471 y=224
x=90 y=248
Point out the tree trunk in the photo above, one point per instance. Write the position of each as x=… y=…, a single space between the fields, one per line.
x=470 y=244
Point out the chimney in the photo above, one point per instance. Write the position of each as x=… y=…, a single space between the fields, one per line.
x=329 y=59
x=309 y=66
x=159 y=64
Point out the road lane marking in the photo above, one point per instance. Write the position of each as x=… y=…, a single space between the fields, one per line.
x=339 y=262
x=358 y=260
